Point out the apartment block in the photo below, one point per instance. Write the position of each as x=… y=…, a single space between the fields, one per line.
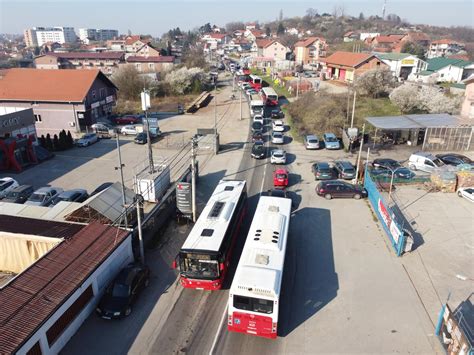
x=93 y=34
x=37 y=36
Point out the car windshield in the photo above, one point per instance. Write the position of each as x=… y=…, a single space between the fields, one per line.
x=278 y=154
x=253 y=304
x=312 y=140
x=195 y=267
x=349 y=170
x=438 y=162
x=58 y=199
x=324 y=169
x=37 y=197
x=257 y=125
x=331 y=139
x=281 y=176
x=120 y=290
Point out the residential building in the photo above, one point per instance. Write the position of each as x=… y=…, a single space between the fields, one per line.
x=384 y=43
x=156 y=64
x=116 y=45
x=444 y=48
x=106 y=62
x=134 y=43
x=271 y=48
x=402 y=64
x=69 y=99
x=448 y=69
x=253 y=34
x=419 y=38
x=350 y=36
x=37 y=36
x=467 y=109
x=147 y=50
x=365 y=35
x=346 y=66
x=251 y=26
x=100 y=35
x=310 y=50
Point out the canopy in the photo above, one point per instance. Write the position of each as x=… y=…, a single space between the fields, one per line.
x=415 y=121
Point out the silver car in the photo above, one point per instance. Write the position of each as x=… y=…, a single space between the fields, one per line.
x=278 y=157
x=43 y=196
x=87 y=140
x=278 y=138
x=311 y=142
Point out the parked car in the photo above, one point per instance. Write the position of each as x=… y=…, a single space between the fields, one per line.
x=43 y=196
x=101 y=188
x=336 y=188
x=251 y=91
x=278 y=138
x=103 y=130
x=467 y=193
x=387 y=174
x=311 y=141
x=141 y=138
x=385 y=167
x=424 y=161
x=257 y=136
x=259 y=118
x=454 y=159
x=278 y=156
x=87 y=140
x=131 y=130
x=74 y=195
x=278 y=126
x=322 y=171
x=277 y=113
x=258 y=150
x=6 y=185
x=122 y=293
x=344 y=169
x=245 y=86
x=280 y=178
x=330 y=141
x=127 y=119
x=278 y=193
x=19 y=194
x=257 y=127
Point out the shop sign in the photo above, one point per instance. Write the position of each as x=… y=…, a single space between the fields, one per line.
x=109 y=99
x=408 y=61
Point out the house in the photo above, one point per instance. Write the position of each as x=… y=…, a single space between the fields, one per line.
x=147 y=50
x=106 y=62
x=251 y=26
x=116 y=45
x=467 y=109
x=449 y=70
x=310 y=50
x=238 y=33
x=350 y=36
x=134 y=43
x=419 y=38
x=444 y=48
x=365 y=35
x=271 y=48
x=153 y=64
x=253 y=34
x=384 y=43
x=402 y=64
x=346 y=66
x=240 y=45
x=69 y=99
x=214 y=40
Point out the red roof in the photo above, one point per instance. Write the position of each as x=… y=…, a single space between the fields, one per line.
x=216 y=35
x=264 y=43
x=132 y=39
x=257 y=33
x=89 y=55
x=445 y=41
x=151 y=59
x=387 y=39
x=61 y=85
x=347 y=59
x=308 y=42
x=21 y=225
x=34 y=295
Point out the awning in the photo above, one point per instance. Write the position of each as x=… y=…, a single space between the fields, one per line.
x=416 y=121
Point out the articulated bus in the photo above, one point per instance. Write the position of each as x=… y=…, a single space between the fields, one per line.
x=205 y=256
x=255 y=81
x=255 y=291
x=269 y=96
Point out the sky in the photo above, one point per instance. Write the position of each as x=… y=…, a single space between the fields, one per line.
x=156 y=17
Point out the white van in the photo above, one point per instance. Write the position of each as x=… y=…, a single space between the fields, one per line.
x=424 y=162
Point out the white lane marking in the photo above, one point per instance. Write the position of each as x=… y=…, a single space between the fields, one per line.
x=218 y=333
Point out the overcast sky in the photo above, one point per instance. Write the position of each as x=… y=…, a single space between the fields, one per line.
x=157 y=16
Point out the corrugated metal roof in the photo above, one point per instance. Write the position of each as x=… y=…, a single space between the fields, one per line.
x=414 y=121
x=33 y=296
x=435 y=64
x=393 y=56
x=22 y=225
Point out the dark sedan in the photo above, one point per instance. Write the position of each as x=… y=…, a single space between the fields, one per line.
x=340 y=189
x=101 y=188
x=277 y=113
x=141 y=138
x=258 y=150
x=454 y=159
x=257 y=136
x=122 y=293
x=75 y=195
x=257 y=126
x=391 y=165
x=322 y=171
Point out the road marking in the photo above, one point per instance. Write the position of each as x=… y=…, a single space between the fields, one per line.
x=214 y=343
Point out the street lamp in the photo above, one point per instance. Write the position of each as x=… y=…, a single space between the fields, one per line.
x=392 y=173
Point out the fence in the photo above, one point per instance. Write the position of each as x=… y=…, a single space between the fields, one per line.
x=385 y=215
x=448 y=138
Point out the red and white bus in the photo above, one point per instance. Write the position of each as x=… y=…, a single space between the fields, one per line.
x=254 y=296
x=269 y=96
x=255 y=81
x=205 y=256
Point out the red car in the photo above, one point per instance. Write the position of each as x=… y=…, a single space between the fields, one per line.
x=280 y=178
x=127 y=119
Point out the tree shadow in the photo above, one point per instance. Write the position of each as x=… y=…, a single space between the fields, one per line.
x=293 y=179
x=223 y=148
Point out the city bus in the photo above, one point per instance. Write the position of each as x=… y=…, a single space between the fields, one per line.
x=269 y=96
x=254 y=296
x=255 y=81
x=256 y=105
x=204 y=258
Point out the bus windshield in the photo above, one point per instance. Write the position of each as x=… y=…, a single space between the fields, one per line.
x=195 y=267
x=253 y=304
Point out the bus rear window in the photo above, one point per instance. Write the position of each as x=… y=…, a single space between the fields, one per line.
x=253 y=304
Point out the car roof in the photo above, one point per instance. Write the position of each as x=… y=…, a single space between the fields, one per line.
x=329 y=135
x=5 y=179
x=345 y=163
x=69 y=193
x=423 y=154
x=280 y=151
x=21 y=188
x=277 y=133
x=46 y=189
x=311 y=136
x=451 y=155
x=281 y=171
x=322 y=164
x=386 y=160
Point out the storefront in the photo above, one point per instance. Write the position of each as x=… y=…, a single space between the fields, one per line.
x=17 y=137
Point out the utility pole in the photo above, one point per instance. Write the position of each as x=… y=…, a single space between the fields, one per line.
x=140 y=234
x=353 y=108
x=240 y=98
x=193 y=177
x=120 y=167
x=145 y=98
x=298 y=85
x=216 y=148
x=360 y=153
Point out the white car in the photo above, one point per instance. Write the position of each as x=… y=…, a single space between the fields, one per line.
x=131 y=130
x=6 y=185
x=278 y=126
x=43 y=196
x=278 y=138
x=258 y=118
x=87 y=140
x=467 y=193
x=278 y=157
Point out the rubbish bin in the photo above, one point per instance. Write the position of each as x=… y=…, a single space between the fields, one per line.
x=408 y=241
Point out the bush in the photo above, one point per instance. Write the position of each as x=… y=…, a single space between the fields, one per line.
x=42 y=141
x=49 y=142
x=69 y=140
x=56 y=142
x=183 y=80
x=375 y=82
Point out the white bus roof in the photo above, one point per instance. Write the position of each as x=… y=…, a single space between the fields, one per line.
x=260 y=268
x=269 y=91
x=253 y=76
x=215 y=217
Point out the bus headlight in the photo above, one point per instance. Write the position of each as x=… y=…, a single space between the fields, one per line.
x=229 y=321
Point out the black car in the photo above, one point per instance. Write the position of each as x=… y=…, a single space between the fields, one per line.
x=257 y=136
x=141 y=138
x=19 y=194
x=322 y=171
x=454 y=159
x=76 y=195
x=278 y=193
x=257 y=126
x=101 y=188
x=277 y=113
x=258 y=150
x=336 y=189
x=120 y=295
x=391 y=165
x=344 y=169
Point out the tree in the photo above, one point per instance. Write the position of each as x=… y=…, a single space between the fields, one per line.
x=434 y=101
x=62 y=145
x=280 y=29
x=413 y=48
x=37 y=50
x=184 y=80
x=406 y=98
x=268 y=31
x=206 y=28
x=375 y=82
x=194 y=57
x=55 y=142
x=129 y=82
x=49 y=142
x=234 y=26
x=69 y=140
x=42 y=141
x=361 y=16
x=280 y=15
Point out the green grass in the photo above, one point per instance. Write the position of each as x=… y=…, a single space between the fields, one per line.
x=367 y=106
x=293 y=131
x=281 y=91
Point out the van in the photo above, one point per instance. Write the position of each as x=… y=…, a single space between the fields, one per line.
x=424 y=162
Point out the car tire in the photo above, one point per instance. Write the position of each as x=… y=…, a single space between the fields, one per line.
x=459 y=194
x=412 y=167
x=328 y=197
x=128 y=311
x=357 y=196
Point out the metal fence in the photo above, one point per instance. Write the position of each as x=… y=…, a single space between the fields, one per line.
x=448 y=138
x=385 y=214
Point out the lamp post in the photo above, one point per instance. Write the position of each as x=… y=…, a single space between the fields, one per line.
x=392 y=171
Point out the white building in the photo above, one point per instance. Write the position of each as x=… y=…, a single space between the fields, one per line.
x=365 y=35
x=444 y=48
x=93 y=34
x=403 y=64
x=37 y=36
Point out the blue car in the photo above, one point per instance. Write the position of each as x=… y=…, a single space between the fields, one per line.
x=330 y=141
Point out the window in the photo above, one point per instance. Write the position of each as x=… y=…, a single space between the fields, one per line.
x=38 y=118
x=150 y=65
x=102 y=93
x=207 y=232
x=253 y=304
x=93 y=94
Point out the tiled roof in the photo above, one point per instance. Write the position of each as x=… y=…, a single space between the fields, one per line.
x=347 y=59
x=264 y=43
x=418 y=36
x=387 y=39
x=307 y=42
x=445 y=41
x=151 y=59
x=62 y=85
x=132 y=39
x=34 y=295
x=435 y=64
x=89 y=55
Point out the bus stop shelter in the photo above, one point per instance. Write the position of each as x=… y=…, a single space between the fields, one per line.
x=433 y=131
